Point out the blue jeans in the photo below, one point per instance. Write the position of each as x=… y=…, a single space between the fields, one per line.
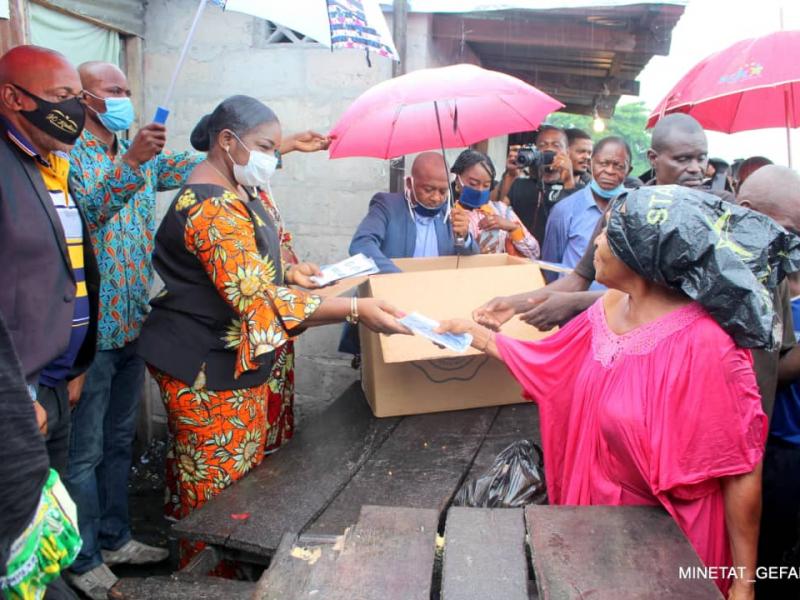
x=103 y=428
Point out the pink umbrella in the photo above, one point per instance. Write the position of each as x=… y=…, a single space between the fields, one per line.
x=452 y=107
x=753 y=84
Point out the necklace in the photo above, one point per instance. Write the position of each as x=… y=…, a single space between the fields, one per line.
x=234 y=188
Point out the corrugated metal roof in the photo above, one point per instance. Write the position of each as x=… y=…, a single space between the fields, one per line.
x=125 y=15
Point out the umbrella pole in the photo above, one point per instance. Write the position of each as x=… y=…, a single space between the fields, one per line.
x=459 y=241
x=162 y=111
x=788 y=125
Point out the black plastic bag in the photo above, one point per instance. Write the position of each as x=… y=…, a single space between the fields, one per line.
x=727 y=257
x=515 y=479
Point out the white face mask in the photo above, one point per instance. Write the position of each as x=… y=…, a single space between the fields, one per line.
x=258 y=170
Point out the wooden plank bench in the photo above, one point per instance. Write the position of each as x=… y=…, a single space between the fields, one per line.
x=344 y=459
x=484 y=555
x=387 y=555
x=421 y=465
x=292 y=486
x=611 y=553
x=181 y=587
x=619 y=552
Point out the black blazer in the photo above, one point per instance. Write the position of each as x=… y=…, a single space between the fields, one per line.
x=186 y=327
x=37 y=292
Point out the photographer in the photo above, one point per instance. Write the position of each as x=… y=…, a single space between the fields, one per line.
x=550 y=178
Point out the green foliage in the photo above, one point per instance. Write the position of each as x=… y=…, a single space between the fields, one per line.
x=628 y=122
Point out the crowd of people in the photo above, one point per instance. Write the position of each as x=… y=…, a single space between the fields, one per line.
x=648 y=393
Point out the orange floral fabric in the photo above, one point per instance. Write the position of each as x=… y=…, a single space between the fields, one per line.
x=216 y=438
x=220 y=232
x=280 y=395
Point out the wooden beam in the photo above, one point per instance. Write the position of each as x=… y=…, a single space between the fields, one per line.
x=508 y=66
x=584 y=86
x=549 y=33
x=585 y=106
x=134 y=70
x=14 y=31
x=553 y=34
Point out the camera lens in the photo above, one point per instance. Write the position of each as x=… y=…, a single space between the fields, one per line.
x=527 y=156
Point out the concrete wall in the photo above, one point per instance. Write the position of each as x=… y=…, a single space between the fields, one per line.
x=308 y=86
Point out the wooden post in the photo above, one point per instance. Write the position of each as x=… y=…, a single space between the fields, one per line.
x=399 y=30
x=134 y=70
x=14 y=31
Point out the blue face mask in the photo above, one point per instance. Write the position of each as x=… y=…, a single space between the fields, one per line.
x=119 y=114
x=606 y=194
x=418 y=208
x=424 y=211
x=471 y=197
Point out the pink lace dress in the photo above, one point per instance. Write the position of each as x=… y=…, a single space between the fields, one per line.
x=655 y=416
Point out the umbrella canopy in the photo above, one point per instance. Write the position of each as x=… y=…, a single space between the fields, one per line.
x=332 y=23
x=399 y=116
x=753 y=84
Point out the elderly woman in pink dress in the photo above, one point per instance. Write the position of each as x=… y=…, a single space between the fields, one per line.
x=644 y=398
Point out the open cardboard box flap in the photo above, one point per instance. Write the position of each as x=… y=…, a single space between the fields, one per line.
x=451 y=293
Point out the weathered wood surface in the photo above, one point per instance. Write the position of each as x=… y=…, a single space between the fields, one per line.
x=513 y=422
x=611 y=553
x=387 y=555
x=289 y=576
x=292 y=486
x=421 y=465
x=182 y=587
x=484 y=555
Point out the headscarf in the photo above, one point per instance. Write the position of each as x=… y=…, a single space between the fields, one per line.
x=728 y=258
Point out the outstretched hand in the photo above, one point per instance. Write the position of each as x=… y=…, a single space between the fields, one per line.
x=455 y=326
x=381 y=317
x=301 y=273
x=305 y=141
x=494 y=313
x=549 y=308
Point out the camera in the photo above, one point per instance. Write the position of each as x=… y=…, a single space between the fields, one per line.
x=529 y=156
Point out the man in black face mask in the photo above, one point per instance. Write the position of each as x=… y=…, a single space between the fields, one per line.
x=49 y=293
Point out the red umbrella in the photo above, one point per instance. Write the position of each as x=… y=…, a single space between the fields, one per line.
x=451 y=106
x=753 y=84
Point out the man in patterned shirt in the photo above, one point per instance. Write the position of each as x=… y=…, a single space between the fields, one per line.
x=115 y=183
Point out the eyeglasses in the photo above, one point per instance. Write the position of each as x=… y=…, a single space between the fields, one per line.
x=618 y=167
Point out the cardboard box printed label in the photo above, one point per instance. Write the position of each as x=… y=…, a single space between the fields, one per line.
x=404 y=375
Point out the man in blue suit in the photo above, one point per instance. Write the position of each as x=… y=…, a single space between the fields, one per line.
x=416 y=223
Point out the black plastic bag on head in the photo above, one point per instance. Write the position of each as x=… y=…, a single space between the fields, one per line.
x=727 y=257
x=515 y=479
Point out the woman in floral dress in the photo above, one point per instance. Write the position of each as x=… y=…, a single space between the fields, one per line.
x=279 y=400
x=221 y=325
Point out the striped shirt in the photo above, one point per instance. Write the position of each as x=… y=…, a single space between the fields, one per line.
x=55 y=174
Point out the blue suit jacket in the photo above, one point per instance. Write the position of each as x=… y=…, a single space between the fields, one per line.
x=388 y=232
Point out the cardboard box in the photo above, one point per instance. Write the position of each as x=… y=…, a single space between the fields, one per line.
x=404 y=375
